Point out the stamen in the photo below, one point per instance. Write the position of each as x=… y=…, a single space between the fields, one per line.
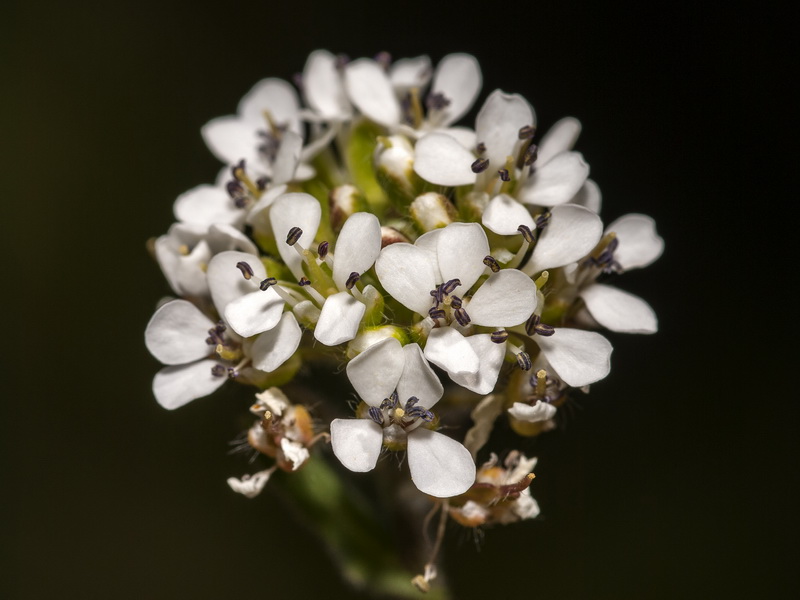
x=480 y=165
x=304 y=281
x=462 y=317
x=504 y=176
x=293 y=235
x=526 y=233
x=411 y=402
x=531 y=323
x=542 y=220
x=267 y=283
x=218 y=370
x=235 y=189
x=530 y=156
x=527 y=132
x=450 y=286
x=351 y=281
x=524 y=361
x=438 y=295
x=232 y=373
x=246 y=269
x=322 y=250
x=545 y=330
x=480 y=148
x=437 y=101
x=437 y=313
x=491 y=262
x=499 y=336
x=375 y=414
x=262 y=183
x=455 y=301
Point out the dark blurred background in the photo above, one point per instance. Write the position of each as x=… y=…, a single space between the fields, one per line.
x=676 y=478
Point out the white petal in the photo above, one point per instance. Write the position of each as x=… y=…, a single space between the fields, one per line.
x=589 y=196
x=541 y=411
x=572 y=232
x=294 y=210
x=274 y=347
x=506 y=299
x=375 y=372
x=339 y=320
x=287 y=158
x=448 y=349
x=441 y=160
x=430 y=243
x=561 y=137
x=439 y=465
x=504 y=215
x=322 y=84
x=230 y=139
x=490 y=356
x=251 y=486
x=483 y=416
x=177 y=332
x=619 y=311
x=408 y=73
x=370 y=90
x=557 y=182
x=175 y=386
x=206 y=205
x=464 y=136
x=275 y=96
x=406 y=273
x=498 y=124
x=222 y=237
x=357 y=247
x=461 y=249
x=578 y=357
x=258 y=215
x=418 y=379
x=639 y=243
x=356 y=443
x=457 y=78
x=226 y=281
x=295 y=453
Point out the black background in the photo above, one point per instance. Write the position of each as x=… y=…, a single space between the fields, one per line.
x=674 y=481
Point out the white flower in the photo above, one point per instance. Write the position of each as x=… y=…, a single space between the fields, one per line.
x=381 y=375
x=444 y=264
x=207 y=205
x=266 y=133
x=177 y=336
x=185 y=251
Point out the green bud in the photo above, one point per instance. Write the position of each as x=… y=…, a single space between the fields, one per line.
x=432 y=211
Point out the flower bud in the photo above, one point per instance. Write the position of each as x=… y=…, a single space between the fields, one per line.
x=344 y=201
x=432 y=211
x=394 y=169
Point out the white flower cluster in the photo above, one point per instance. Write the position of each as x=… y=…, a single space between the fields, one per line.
x=353 y=219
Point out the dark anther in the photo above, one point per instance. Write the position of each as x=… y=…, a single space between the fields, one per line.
x=438 y=295
x=232 y=373
x=499 y=336
x=436 y=313
x=235 y=189
x=526 y=233
x=530 y=156
x=351 y=281
x=455 y=301
x=437 y=101
x=262 y=183
x=304 y=281
x=384 y=59
x=218 y=370
x=504 y=176
x=481 y=148
x=267 y=283
x=237 y=170
x=322 y=249
x=491 y=262
x=386 y=403
x=542 y=220
x=480 y=165
x=527 y=132
x=462 y=317
x=375 y=414
x=451 y=285
x=246 y=269
x=411 y=402
x=545 y=330
x=524 y=361
x=531 y=323
x=293 y=235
